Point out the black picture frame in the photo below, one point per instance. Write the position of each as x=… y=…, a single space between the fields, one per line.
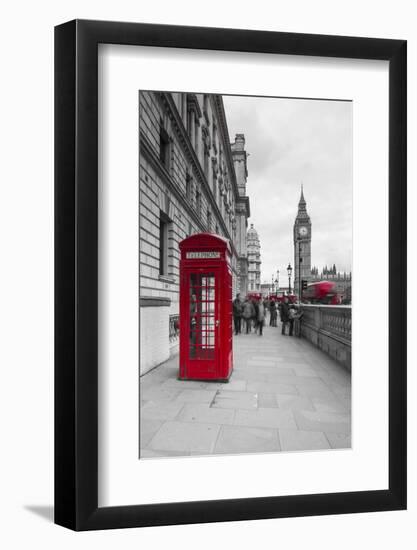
x=76 y=272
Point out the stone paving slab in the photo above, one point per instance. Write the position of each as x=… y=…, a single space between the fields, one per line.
x=202 y=412
x=235 y=385
x=324 y=422
x=185 y=437
x=314 y=391
x=161 y=410
x=340 y=390
x=239 y=439
x=260 y=374
x=339 y=441
x=196 y=396
x=294 y=380
x=269 y=418
x=159 y=394
x=256 y=364
x=347 y=402
x=302 y=370
x=267 y=400
x=298 y=440
x=294 y=402
x=175 y=384
x=272 y=387
x=329 y=405
x=290 y=360
x=148 y=428
x=235 y=400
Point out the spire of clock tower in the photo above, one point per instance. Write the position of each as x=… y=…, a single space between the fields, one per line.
x=302 y=207
x=302 y=203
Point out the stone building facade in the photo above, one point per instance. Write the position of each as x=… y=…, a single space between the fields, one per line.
x=302 y=244
x=191 y=181
x=242 y=211
x=254 y=260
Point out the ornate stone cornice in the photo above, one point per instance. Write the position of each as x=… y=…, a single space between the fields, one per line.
x=193 y=104
x=224 y=132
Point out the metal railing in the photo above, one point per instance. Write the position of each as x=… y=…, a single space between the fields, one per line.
x=174 y=328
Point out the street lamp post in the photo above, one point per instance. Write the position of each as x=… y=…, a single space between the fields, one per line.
x=289 y=271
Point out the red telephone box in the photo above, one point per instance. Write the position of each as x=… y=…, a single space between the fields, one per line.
x=205 y=308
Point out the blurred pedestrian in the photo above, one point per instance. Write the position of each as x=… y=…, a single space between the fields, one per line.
x=260 y=316
x=292 y=313
x=272 y=314
x=237 y=314
x=284 y=312
x=248 y=313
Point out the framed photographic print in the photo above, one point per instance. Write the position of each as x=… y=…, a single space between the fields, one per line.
x=230 y=275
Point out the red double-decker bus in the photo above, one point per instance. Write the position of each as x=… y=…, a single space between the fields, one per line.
x=321 y=292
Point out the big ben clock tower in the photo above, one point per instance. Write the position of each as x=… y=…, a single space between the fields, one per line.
x=302 y=244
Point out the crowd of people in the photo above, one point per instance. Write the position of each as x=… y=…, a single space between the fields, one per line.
x=251 y=314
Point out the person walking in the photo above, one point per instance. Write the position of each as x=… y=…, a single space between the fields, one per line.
x=284 y=312
x=248 y=313
x=255 y=303
x=266 y=308
x=237 y=314
x=297 y=321
x=260 y=316
x=292 y=315
x=254 y=318
x=272 y=314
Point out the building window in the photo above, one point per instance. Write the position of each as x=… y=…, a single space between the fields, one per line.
x=209 y=221
x=164 y=223
x=164 y=147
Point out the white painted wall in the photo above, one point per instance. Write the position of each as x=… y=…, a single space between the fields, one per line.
x=154 y=337
x=26 y=218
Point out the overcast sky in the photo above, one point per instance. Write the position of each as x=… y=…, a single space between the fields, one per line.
x=294 y=141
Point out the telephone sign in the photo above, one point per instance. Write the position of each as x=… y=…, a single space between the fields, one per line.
x=203 y=255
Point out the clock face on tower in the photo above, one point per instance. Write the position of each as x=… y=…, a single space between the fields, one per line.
x=303 y=231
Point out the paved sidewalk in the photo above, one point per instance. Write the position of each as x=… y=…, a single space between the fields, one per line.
x=284 y=395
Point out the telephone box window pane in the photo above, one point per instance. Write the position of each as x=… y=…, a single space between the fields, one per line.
x=202 y=316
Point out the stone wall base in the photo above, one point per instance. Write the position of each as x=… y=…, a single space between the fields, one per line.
x=337 y=349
